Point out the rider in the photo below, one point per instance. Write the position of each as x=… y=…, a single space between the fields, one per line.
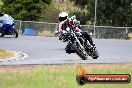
x=4 y=18
x=65 y=22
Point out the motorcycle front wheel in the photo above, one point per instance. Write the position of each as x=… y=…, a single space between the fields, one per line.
x=2 y=34
x=79 y=52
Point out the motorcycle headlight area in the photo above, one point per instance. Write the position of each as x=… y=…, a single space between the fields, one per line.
x=9 y=22
x=1 y=24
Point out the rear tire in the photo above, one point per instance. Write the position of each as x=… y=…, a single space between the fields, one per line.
x=92 y=51
x=15 y=33
x=95 y=55
x=78 y=52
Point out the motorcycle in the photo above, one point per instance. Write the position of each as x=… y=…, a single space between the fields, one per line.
x=7 y=28
x=80 y=45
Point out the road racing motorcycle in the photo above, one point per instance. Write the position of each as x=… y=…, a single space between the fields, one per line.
x=7 y=27
x=79 y=44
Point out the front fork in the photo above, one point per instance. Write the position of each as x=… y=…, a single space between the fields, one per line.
x=80 y=45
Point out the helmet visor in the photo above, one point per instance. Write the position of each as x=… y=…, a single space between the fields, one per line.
x=62 y=18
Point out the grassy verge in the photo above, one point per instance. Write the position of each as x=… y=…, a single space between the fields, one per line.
x=46 y=33
x=5 y=54
x=60 y=76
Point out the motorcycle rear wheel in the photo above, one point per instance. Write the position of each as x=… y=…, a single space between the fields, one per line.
x=95 y=54
x=91 y=51
x=15 y=33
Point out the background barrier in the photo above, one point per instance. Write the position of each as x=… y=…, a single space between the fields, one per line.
x=101 y=32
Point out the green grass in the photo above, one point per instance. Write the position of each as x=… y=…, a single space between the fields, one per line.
x=58 y=76
x=5 y=54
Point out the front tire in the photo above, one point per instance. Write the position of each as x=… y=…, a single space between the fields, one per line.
x=2 y=35
x=78 y=52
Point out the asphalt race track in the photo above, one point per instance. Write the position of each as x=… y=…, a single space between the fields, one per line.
x=49 y=50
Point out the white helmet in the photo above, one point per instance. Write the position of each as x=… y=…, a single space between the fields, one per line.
x=63 y=16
